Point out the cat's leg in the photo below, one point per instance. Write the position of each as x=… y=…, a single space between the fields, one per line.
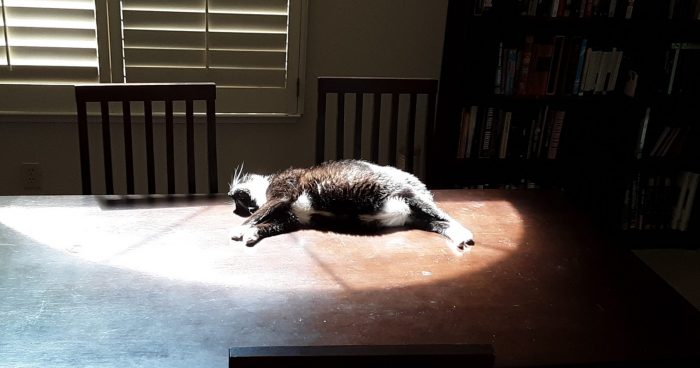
x=427 y=216
x=274 y=226
x=273 y=211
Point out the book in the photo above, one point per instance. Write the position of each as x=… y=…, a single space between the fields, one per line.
x=672 y=63
x=579 y=66
x=660 y=141
x=687 y=78
x=629 y=9
x=642 y=134
x=631 y=83
x=471 y=131
x=557 y=125
x=684 y=182
x=539 y=71
x=519 y=135
x=604 y=71
x=497 y=83
x=687 y=209
x=556 y=64
x=505 y=134
x=524 y=70
x=616 y=63
x=486 y=133
x=593 y=68
x=463 y=130
x=511 y=56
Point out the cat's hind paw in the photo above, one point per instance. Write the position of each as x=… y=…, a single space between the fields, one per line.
x=461 y=239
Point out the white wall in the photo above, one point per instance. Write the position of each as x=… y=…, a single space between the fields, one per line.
x=388 y=38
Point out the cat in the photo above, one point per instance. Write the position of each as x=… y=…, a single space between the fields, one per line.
x=348 y=194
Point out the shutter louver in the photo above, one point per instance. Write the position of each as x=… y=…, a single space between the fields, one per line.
x=48 y=41
x=235 y=43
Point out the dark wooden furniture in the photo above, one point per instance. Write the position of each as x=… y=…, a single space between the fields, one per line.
x=395 y=87
x=597 y=162
x=147 y=93
x=159 y=283
x=370 y=356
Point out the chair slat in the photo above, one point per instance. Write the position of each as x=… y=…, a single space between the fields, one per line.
x=376 y=111
x=150 y=150
x=340 y=127
x=357 y=141
x=170 y=146
x=189 y=121
x=211 y=146
x=430 y=130
x=393 y=128
x=107 y=148
x=84 y=148
x=321 y=127
x=128 y=149
x=410 y=134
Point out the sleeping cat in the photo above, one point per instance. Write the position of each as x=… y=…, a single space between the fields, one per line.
x=347 y=194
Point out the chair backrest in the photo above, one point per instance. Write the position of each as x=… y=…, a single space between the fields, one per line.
x=147 y=93
x=395 y=87
x=366 y=356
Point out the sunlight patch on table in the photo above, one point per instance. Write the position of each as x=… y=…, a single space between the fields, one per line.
x=191 y=244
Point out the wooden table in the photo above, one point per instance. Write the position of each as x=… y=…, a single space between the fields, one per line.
x=90 y=281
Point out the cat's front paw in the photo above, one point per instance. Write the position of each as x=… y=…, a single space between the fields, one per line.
x=245 y=233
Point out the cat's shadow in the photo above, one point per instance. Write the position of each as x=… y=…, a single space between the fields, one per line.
x=354 y=229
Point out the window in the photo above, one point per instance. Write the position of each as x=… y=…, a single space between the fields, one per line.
x=250 y=48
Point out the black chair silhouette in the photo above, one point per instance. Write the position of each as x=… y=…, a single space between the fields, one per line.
x=395 y=87
x=147 y=93
x=367 y=356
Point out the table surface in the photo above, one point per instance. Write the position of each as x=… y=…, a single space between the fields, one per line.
x=103 y=281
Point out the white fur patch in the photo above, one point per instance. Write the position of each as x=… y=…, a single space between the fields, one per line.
x=245 y=233
x=394 y=212
x=459 y=235
x=303 y=210
x=258 y=188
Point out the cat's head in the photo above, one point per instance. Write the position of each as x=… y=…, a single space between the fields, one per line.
x=248 y=192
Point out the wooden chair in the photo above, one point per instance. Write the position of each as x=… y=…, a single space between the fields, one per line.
x=366 y=356
x=147 y=93
x=376 y=87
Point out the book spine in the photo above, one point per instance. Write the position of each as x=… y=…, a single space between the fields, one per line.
x=473 y=114
x=555 y=67
x=499 y=71
x=525 y=62
x=690 y=201
x=617 y=61
x=505 y=134
x=486 y=133
x=579 y=66
x=642 y=133
x=557 y=125
x=682 y=195
x=463 y=129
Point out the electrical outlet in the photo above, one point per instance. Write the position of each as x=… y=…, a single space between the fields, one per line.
x=31 y=175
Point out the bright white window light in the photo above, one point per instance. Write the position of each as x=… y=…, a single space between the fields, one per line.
x=233 y=43
x=45 y=34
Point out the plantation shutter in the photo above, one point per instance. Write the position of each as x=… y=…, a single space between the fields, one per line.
x=241 y=45
x=48 y=41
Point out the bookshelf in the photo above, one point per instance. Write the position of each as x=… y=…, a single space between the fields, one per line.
x=575 y=95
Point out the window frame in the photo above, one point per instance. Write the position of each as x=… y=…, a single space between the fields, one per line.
x=59 y=105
